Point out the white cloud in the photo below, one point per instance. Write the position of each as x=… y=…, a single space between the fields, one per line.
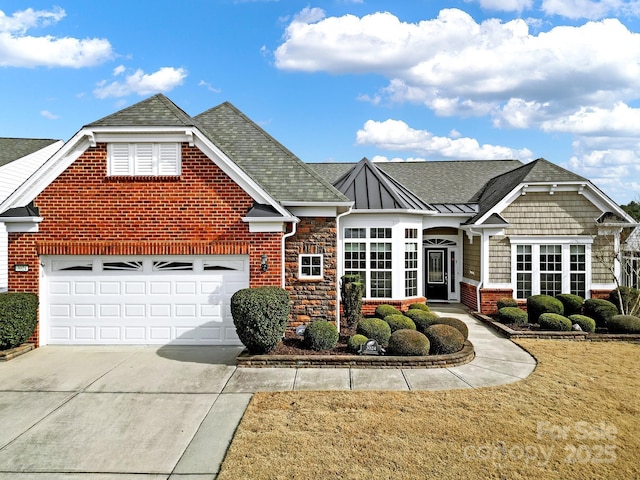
x=20 y=50
x=621 y=120
x=507 y=5
x=47 y=114
x=590 y=9
x=140 y=83
x=396 y=135
x=208 y=86
x=118 y=70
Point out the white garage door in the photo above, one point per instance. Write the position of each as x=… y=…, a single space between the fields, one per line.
x=141 y=300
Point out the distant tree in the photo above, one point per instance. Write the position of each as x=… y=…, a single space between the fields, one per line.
x=633 y=209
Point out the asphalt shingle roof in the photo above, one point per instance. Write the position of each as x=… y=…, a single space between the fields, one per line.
x=156 y=111
x=14 y=148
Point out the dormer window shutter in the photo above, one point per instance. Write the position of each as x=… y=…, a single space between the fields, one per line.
x=168 y=159
x=119 y=159
x=144 y=159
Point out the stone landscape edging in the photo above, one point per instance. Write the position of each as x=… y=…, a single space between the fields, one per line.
x=10 y=354
x=245 y=360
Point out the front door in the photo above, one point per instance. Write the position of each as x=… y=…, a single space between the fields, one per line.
x=437 y=276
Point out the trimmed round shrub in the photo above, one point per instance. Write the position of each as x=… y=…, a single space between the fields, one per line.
x=260 y=315
x=408 y=342
x=572 y=303
x=375 y=329
x=600 y=310
x=629 y=298
x=356 y=341
x=419 y=306
x=422 y=319
x=512 y=315
x=624 y=324
x=505 y=302
x=18 y=318
x=586 y=324
x=386 y=310
x=321 y=335
x=444 y=339
x=539 y=304
x=554 y=321
x=455 y=323
x=399 y=322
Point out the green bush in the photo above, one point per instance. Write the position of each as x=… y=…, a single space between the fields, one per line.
x=444 y=339
x=505 y=302
x=554 y=321
x=386 y=310
x=399 y=322
x=321 y=335
x=408 y=342
x=455 y=323
x=421 y=318
x=375 y=329
x=419 y=306
x=18 y=318
x=629 y=299
x=539 y=304
x=512 y=315
x=260 y=316
x=351 y=293
x=356 y=341
x=600 y=310
x=572 y=303
x=586 y=324
x=624 y=324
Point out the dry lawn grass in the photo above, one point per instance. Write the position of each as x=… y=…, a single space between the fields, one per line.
x=530 y=429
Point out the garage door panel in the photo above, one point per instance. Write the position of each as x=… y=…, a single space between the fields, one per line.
x=142 y=305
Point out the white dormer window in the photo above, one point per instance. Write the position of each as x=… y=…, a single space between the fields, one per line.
x=144 y=159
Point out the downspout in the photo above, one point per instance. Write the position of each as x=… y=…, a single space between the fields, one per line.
x=470 y=233
x=338 y=263
x=294 y=228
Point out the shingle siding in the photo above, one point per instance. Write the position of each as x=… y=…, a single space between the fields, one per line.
x=499 y=260
x=471 y=261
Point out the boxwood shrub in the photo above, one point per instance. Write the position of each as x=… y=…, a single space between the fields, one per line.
x=512 y=315
x=455 y=323
x=629 y=298
x=444 y=339
x=624 y=324
x=356 y=341
x=419 y=306
x=386 y=310
x=18 y=318
x=399 y=322
x=587 y=324
x=600 y=310
x=260 y=315
x=422 y=319
x=408 y=342
x=572 y=303
x=321 y=335
x=554 y=321
x=539 y=304
x=506 y=302
x=375 y=329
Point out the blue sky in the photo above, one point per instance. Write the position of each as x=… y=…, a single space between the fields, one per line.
x=339 y=80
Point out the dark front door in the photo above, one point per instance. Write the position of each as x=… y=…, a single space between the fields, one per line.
x=437 y=277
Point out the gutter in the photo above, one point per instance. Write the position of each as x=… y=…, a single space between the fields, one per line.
x=294 y=229
x=338 y=257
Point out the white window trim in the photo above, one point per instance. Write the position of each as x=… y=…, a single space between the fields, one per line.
x=303 y=276
x=157 y=165
x=565 y=243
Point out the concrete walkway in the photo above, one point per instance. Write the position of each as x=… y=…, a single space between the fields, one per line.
x=170 y=413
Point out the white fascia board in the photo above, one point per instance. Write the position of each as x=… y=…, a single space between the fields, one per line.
x=572 y=239
x=21 y=224
x=393 y=212
x=314 y=210
x=236 y=173
x=49 y=171
x=142 y=134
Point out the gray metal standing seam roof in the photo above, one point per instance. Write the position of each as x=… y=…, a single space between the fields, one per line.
x=14 y=148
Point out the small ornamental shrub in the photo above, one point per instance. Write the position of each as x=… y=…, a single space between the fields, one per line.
x=399 y=322
x=419 y=306
x=408 y=342
x=539 y=304
x=600 y=310
x=352 y=291
x=629 y=299
x=260 y=315
x=624 y=324
x=356 y=341
x=506 y=302
x=572 y=303
x=18 y=318
x=375 y=329
x=455 y=323
x=586 y=324
x=444 y=339
x=554 y=321
x=512 y=315
x=422 y=319
x=321 y=335
x=386 y=310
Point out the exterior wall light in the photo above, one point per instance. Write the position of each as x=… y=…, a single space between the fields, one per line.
x=264 y=263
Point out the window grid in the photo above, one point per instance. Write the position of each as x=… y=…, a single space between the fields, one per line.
x=550 y=270
x=380 y=232
x=411 y=269
x=355 y=233
x=524 y=267
x=310 y=266
x=577 y=268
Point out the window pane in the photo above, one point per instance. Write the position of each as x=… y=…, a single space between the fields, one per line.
x=355 y=233
x=523 y=258
x=578 y=284
x=578 y=258
x=411 y=283
x=550 y=258
x=355 y=256
x=523 y=285
x=380 y=256
x=550 y=284
x=380 y=284
x=410 y=233
x=380 y=233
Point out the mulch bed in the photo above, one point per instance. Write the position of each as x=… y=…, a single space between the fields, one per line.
x=292 y=344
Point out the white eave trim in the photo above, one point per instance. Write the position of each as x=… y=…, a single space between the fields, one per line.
x=394 y=212
x=21 y=224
